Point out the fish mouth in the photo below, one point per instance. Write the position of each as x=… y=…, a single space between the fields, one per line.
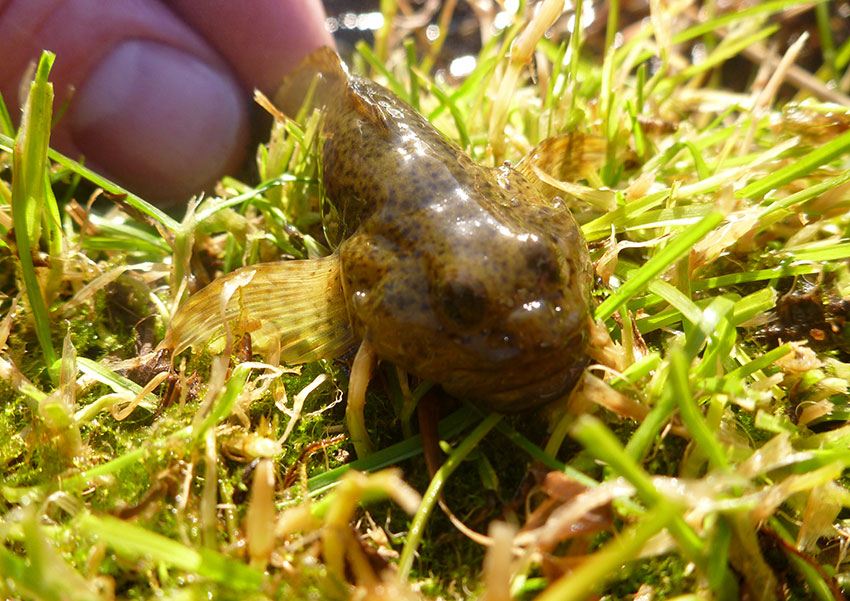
x=525 y=386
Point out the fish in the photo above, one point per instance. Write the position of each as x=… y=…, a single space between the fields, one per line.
x=476 y=278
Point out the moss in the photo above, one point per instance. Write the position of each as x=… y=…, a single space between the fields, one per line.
x=493 y=483
x=14 y=419
x=668 y=576
x=665 y=456
x=746 y=423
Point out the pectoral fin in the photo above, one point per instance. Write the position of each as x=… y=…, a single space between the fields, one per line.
x=300 y=303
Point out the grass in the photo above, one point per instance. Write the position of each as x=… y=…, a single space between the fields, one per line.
x=707 y=456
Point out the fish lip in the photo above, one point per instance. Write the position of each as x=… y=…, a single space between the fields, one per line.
x=525 y=395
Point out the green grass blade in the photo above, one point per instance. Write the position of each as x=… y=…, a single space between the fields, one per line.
x=842 y=55
x=6 y=126
x=602 y=444
x=135 y=201
x=575 y=45
x=601 y=226
x=677 y=299
x=30 y=153
x=115 y=381
x=752 y=305
x=717 y=563
x=134 y=543
x=449 y=427
x=745 y=277
x=712 y=317
x=805 y=194
x=472 y=83
x=719 y=56
x=435 y=488
x=737 y=16
x=677 y=247
x=410 y=52
x=801 y=167
x=538 y=454
x=44 y=575
x=393 y=81
x=605 y=563
x=52 y=224
x=690 y=412
x=29 y=164
x=759 y=363
x=827 y=41
x=817 y=583
x=224 y=404
x=19 y=575
x=822 y=254
x=457 y=115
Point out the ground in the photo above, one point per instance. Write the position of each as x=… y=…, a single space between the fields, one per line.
x=703 y=455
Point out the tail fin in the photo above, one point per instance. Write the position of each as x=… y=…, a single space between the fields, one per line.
x=319 y=77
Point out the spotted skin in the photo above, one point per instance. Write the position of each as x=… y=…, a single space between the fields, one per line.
x=461 y=274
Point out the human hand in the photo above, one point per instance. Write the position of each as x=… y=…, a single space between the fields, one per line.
x=158 y=92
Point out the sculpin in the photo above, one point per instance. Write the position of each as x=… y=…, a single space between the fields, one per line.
x=464 y=275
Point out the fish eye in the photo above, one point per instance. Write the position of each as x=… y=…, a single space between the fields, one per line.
x=541 y=261
x=462 y=303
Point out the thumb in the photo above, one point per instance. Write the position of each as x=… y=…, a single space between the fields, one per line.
x=149 y=103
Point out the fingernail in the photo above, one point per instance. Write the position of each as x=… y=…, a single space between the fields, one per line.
x=160 y=121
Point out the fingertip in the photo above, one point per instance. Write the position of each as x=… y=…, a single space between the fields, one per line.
x=159 y=121
x=263 y=43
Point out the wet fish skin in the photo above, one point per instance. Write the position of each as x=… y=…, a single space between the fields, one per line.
x=469 y=276
x=461 y=274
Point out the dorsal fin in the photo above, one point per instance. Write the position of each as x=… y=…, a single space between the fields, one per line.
x=325 y=67
x=300 y=303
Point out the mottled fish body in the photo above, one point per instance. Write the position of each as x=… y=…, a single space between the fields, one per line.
x=461 y=274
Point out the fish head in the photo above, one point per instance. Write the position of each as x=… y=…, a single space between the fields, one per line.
x=488 y=296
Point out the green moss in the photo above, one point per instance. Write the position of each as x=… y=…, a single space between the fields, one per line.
x=667 y=575
x=14 y=418
x=653 y=180
x=665 y=456
x=746 y=422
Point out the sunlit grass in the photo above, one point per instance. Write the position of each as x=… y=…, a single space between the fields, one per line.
x=712 y=434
